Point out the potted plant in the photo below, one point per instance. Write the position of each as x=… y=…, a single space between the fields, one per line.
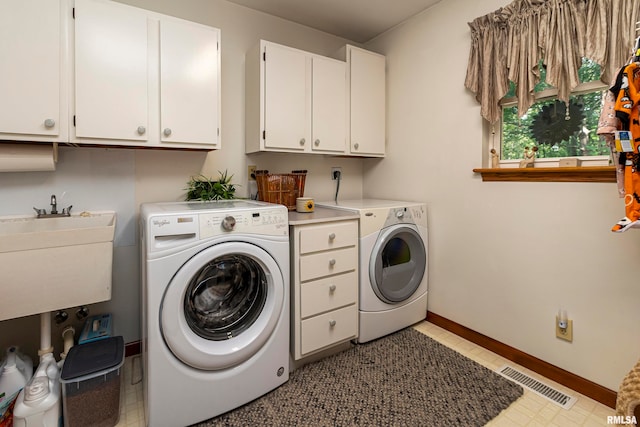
x=202 y=188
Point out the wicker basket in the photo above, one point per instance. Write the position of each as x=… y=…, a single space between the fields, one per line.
x=281 y=188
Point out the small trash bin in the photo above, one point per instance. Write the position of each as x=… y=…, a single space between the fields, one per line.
x=91 y=378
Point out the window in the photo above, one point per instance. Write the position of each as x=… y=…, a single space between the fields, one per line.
x=547 y=126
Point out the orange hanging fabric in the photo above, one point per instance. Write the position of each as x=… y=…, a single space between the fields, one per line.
x=627 y=108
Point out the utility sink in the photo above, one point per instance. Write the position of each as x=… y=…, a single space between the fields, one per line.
x=48 y=264
x=24 y=233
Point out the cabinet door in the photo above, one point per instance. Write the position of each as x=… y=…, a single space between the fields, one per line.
x=368 y=104
x=30 y=60
x=189 y=83
x=111 y=99
x=329 y=106
x=287 y=98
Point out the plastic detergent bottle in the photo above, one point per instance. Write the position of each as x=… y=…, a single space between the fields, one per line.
x=39 y=403
x=15 y=373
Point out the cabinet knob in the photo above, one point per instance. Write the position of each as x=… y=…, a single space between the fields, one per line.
x=317 y=142
x=302 y=141
x=332 y=323
x=356 y=145
x=141 y=130
x=166 y=131
x=332 y=262
x=332 y=236
x=332 y=288
x=49 y=123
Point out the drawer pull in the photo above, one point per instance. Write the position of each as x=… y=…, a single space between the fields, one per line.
x=332 y=236
x=332 y=288
x=332 y=262
x=332 y=323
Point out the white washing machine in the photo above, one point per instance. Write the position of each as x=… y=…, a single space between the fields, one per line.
x=215 y=304
x=393 y=264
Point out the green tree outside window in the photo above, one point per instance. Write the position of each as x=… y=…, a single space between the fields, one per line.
x=548 y=126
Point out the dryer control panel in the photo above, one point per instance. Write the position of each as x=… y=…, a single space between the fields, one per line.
x=407 y=215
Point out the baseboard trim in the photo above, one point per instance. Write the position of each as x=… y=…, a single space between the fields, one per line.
x=132 y=348
x=581 y=385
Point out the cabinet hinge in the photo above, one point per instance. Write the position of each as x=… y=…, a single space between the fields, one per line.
x=264 y=134
x=217 y=45
x=218 y=131
x=73 y=13
x=264 y=56
x=74 y=120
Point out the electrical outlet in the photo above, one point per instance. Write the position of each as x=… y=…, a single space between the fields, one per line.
x=334 y=170
x=564 y=334
x=251 y=170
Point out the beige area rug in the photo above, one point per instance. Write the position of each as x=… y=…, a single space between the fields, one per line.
x=404 y=379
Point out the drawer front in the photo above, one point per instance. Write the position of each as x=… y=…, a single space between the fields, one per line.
x=329 y=328
x=328 y=236
x=328 y=294
x=327 y=263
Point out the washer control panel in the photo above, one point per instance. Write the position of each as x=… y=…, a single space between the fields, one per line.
x=175 y=230
x=272 y=222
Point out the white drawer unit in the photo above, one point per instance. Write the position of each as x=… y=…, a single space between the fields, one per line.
x=319 y=296
x=324 y=281
x=327 y=263
x=329 y=328
x=329 y=236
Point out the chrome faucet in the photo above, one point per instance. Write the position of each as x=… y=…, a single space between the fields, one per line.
x=54 y=205
x=42 y=213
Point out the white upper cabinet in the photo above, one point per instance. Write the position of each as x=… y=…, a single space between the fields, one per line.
x=111 y=81
x=189 y=83
x=144 y=79
x=33 y=60
x=329 y=105
x=286 y=95
x=295 y=101
x=367 y=112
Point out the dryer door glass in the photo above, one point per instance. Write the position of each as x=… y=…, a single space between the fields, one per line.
x=225 y=297
x=398 y=263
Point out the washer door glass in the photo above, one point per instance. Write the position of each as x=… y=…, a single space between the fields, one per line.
x=397 y=265
x=225 y=297
x=222 y=305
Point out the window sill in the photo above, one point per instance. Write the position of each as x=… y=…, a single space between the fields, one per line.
x=565 y=174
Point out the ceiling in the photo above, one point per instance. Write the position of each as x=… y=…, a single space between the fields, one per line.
x=355 y=20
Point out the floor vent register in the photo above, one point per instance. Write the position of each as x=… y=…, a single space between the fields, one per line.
x=544 y=390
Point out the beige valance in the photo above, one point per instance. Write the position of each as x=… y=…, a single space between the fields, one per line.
x=508 y=44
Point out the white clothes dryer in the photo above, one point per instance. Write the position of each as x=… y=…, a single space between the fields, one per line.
x=215 y=307
x=393 y=264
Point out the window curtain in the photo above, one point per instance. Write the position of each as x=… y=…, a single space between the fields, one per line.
x=508 y=44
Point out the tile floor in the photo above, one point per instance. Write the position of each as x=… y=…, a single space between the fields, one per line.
x=530 y=410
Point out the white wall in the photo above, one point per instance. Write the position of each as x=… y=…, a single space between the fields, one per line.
x=504 y=256
x=121 y=179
